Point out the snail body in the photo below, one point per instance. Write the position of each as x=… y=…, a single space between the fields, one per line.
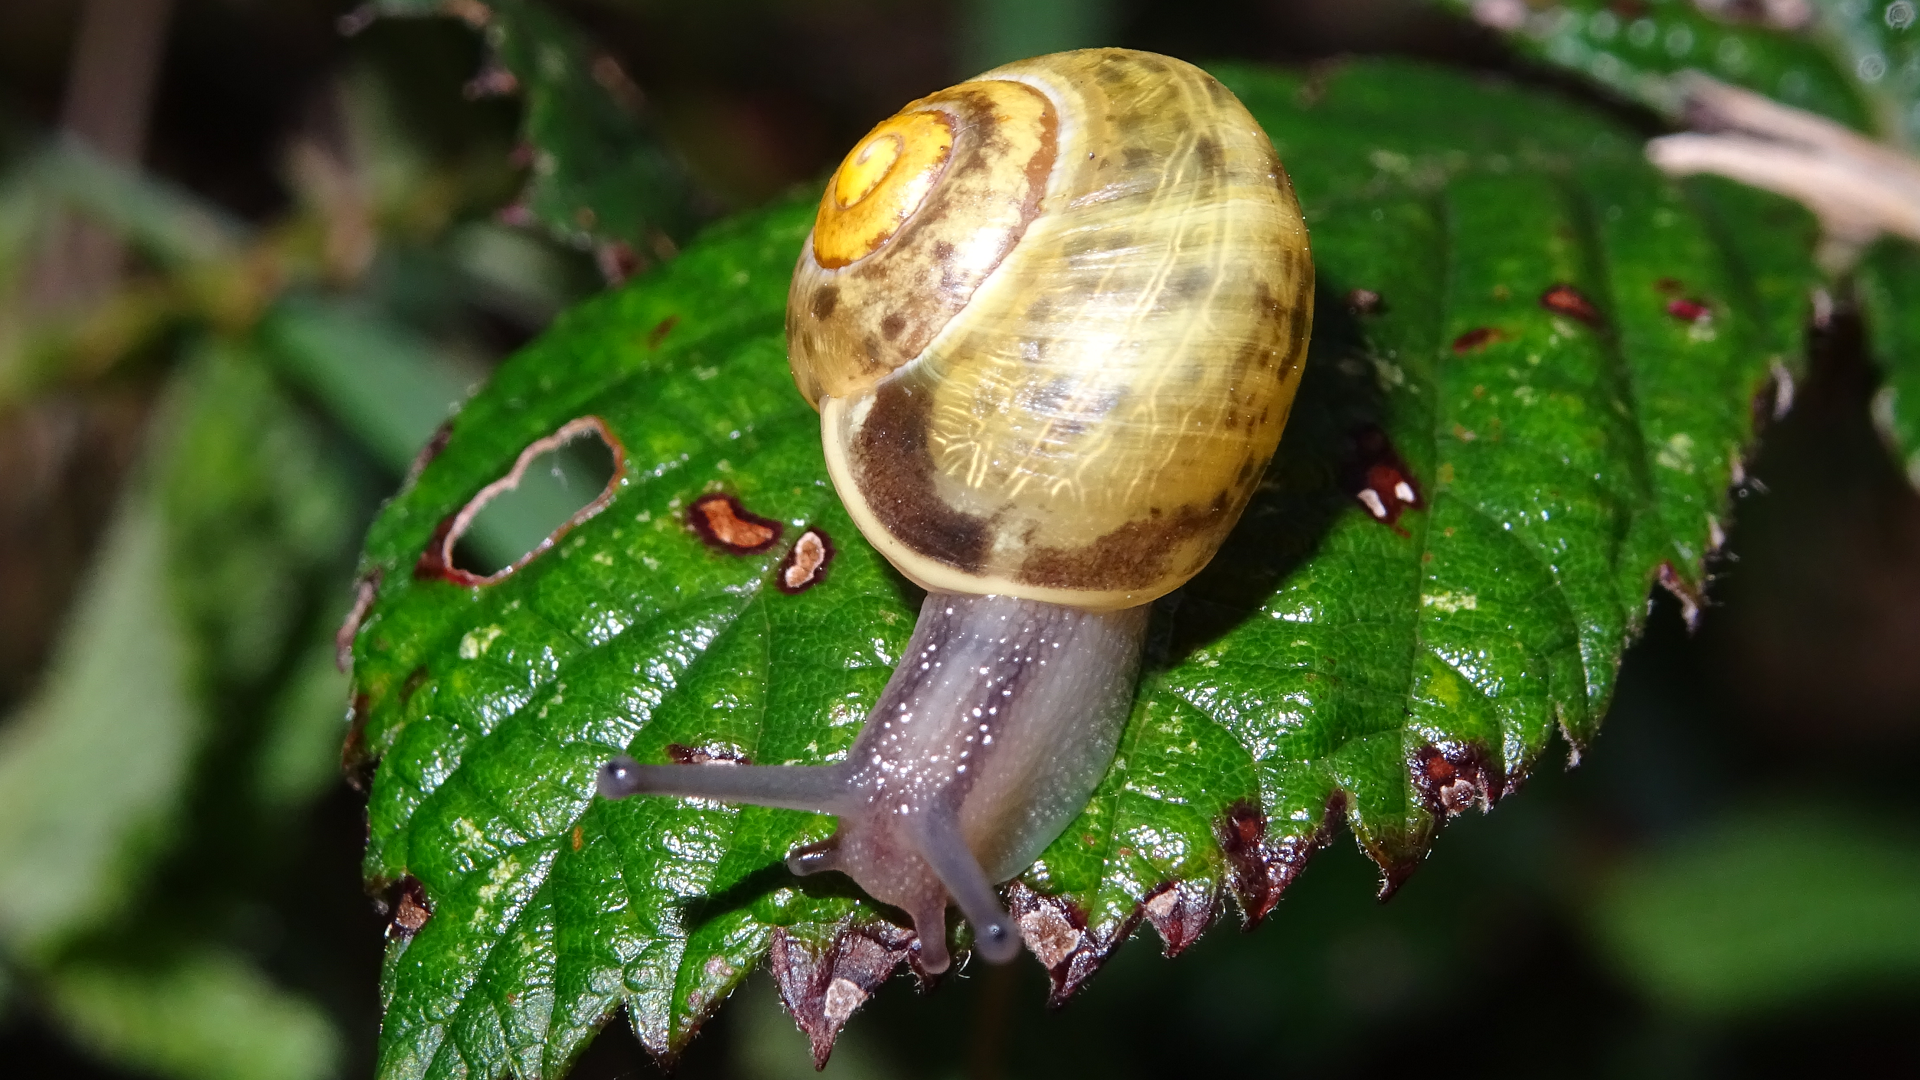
x=1053 y=319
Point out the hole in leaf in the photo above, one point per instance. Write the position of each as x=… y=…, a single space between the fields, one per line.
x=556 y=483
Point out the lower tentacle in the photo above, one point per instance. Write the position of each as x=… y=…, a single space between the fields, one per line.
x=936 y=834
x=815 y=858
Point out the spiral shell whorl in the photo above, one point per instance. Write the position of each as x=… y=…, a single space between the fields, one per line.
x=1100 y=364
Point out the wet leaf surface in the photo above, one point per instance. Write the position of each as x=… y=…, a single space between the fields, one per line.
x=1438 y=574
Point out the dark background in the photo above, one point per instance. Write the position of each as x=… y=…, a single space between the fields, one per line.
x=1795 y=708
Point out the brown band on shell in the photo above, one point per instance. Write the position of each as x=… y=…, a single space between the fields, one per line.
x=1133 y=556
x=895 y=471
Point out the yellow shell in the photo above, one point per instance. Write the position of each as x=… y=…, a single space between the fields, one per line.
x=1053 y=319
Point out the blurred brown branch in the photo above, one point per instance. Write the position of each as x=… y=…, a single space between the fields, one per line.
x=116 y=58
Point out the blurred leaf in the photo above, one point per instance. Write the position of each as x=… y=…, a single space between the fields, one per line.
x=164 y=222
x=1889 y=283
x=1569 y=428
x=1764 y=910
x=91 y=771
x=22 y=208
x=209 y=269
x=173 y=681
x=257 y=515
x=300 y=751
x=393 y=389
x=384 y=383
x=1002 y=31
x=522 y=275
x=203 y=1016
x=1634 y=50
x=194 y=599
x=601 y=175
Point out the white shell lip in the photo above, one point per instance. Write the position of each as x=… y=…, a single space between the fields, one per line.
x=838 y=418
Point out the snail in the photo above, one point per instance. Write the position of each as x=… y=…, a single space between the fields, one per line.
x=1052 y=318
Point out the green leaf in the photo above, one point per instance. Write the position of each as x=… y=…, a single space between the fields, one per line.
x=1822 y=66
x=602 y=177
x=202 y=1016
x=1765 y=909
x=1328 y=667
x=1889 y=285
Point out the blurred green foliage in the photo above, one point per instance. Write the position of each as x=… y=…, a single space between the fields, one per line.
x=1767 y=908
x=194 y=712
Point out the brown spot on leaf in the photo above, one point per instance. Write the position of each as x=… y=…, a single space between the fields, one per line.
x=579 y=836
x=1365 y=302
x=1264 y=865
x=364 y=591
x=720 y=520
x=660 y=331
x=409 y=908
x=1056 y=932
x=1379 y=479
x=1564 y=299
x=821 y=987
x=1686 y=310
x=435 y=443
x=415 y=679
x=356 y=760
x=1453 y=777
x=1181 y=911
x=711 y=753
x=616 y=259
x=805 y=564
x=1476 y=339
x=1684 y=591
x=437 y=559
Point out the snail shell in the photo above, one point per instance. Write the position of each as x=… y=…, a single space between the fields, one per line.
x=1053 y=318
